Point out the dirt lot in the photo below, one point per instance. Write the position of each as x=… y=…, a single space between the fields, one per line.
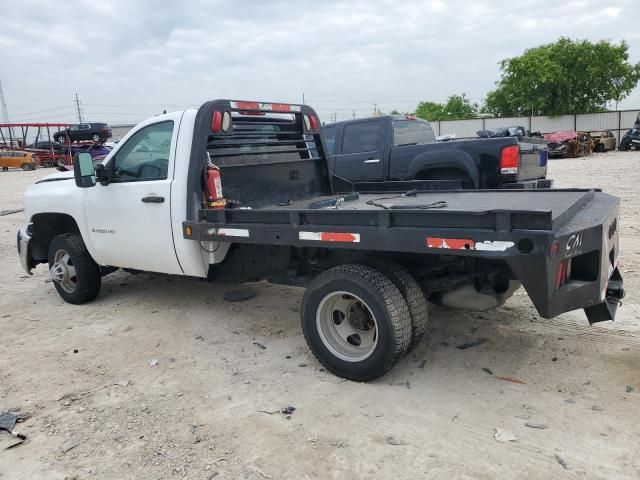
x=197 y=412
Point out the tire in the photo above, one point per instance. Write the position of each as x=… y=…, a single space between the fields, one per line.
x=368 y=295
x=69 y=255
x=60 y=162
x=47 y=162
x=96 y=138
x=27 y=167
x=412 y=293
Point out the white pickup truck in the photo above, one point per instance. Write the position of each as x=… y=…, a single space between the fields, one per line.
x=369 y=261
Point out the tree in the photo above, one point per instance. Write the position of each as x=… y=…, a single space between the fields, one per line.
x=457 y=107
x=563 y=77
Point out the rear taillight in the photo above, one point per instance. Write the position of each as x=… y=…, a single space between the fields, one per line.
x=563 y=272
x=216 y=122
x=311 y=123
x=510 y=160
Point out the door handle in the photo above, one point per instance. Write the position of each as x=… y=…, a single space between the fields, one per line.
x=372 y=160
x=153 y=199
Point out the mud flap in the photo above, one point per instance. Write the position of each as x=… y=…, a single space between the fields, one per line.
x=606 y=310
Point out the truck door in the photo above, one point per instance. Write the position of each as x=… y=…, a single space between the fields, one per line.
x=361 y=157
x=129 y=220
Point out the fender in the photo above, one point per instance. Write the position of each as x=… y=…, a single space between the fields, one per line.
x=445 y=159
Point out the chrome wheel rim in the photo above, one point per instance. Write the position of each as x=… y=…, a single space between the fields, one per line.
x=63 y=272
x=347 y=326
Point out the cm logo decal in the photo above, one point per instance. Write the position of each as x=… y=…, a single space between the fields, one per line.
x=574 y=245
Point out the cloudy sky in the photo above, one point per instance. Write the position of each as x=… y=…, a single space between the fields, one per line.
x=130 y=59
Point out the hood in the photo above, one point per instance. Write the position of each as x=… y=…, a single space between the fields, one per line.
x=54 y=177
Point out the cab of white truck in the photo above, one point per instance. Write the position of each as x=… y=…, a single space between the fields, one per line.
x=135 y=219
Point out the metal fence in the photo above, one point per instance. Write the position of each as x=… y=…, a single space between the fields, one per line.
x=617 y=122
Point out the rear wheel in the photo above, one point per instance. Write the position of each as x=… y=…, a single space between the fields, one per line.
x=28 y=166
x=356 y=322
x=47 y=162
x=60 y=162
x=75 y=275
x=96 y=137
x=412 y=293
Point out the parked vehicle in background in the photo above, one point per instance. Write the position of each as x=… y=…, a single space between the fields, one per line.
x=630 y=140
x=97 y=132
x=49 y=146
x=402 y=148
x=503 y=132
x=603 y=141
x=446 y=138
x=17 y=159
x=569 y=143
x=637 y=124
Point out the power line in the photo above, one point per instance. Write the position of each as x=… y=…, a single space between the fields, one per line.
x=3 y=105
x=78 y=108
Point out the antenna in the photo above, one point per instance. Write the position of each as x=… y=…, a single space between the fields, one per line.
x=3 y=104
x=78 y=109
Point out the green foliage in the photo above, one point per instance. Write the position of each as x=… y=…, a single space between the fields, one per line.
x=563 y=77
x=457 y=107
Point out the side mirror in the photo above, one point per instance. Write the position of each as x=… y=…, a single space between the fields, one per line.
x=83 y=170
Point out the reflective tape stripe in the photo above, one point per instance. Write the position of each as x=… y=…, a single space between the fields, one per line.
x=468 y=244
x=330 y=237
x=273 y=107
x=229 y=232
x=450 y=243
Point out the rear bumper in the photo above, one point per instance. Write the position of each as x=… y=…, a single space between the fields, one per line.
x=24 y=252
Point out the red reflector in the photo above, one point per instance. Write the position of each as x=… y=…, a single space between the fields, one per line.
x=553 y=248
x=510 y=160
x=451 y=243
x=216 y=121
x=563 y=273
x=280 y=107
x=247 y=106
x=314 y=123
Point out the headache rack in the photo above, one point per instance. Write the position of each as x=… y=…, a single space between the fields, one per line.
x=278 y=147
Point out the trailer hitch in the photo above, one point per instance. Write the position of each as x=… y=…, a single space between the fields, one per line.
x=606 y=310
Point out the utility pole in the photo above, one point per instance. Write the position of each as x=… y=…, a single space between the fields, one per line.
x=3 y=105
x=375 y=109
x=303 y=98
x=78 y=108
x=353 y=113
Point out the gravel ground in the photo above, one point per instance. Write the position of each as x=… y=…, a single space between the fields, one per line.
x=187 y=381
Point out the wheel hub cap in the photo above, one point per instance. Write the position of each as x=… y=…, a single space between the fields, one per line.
x=347 y=326
x=63 y=272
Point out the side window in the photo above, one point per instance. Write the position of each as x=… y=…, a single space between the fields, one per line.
x=145 y=156
x=412 y=132
x=362 y=137
x=329 y=138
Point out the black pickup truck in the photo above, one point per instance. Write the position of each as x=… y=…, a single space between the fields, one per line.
x=400 y=148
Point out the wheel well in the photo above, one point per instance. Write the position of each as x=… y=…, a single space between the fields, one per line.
x=446 y=173
x=46 y=226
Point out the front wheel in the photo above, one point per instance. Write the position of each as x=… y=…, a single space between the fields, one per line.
x=28 y=166
x=96 y=137
x=74 y=273
x=60 y=161
x=356 y=322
